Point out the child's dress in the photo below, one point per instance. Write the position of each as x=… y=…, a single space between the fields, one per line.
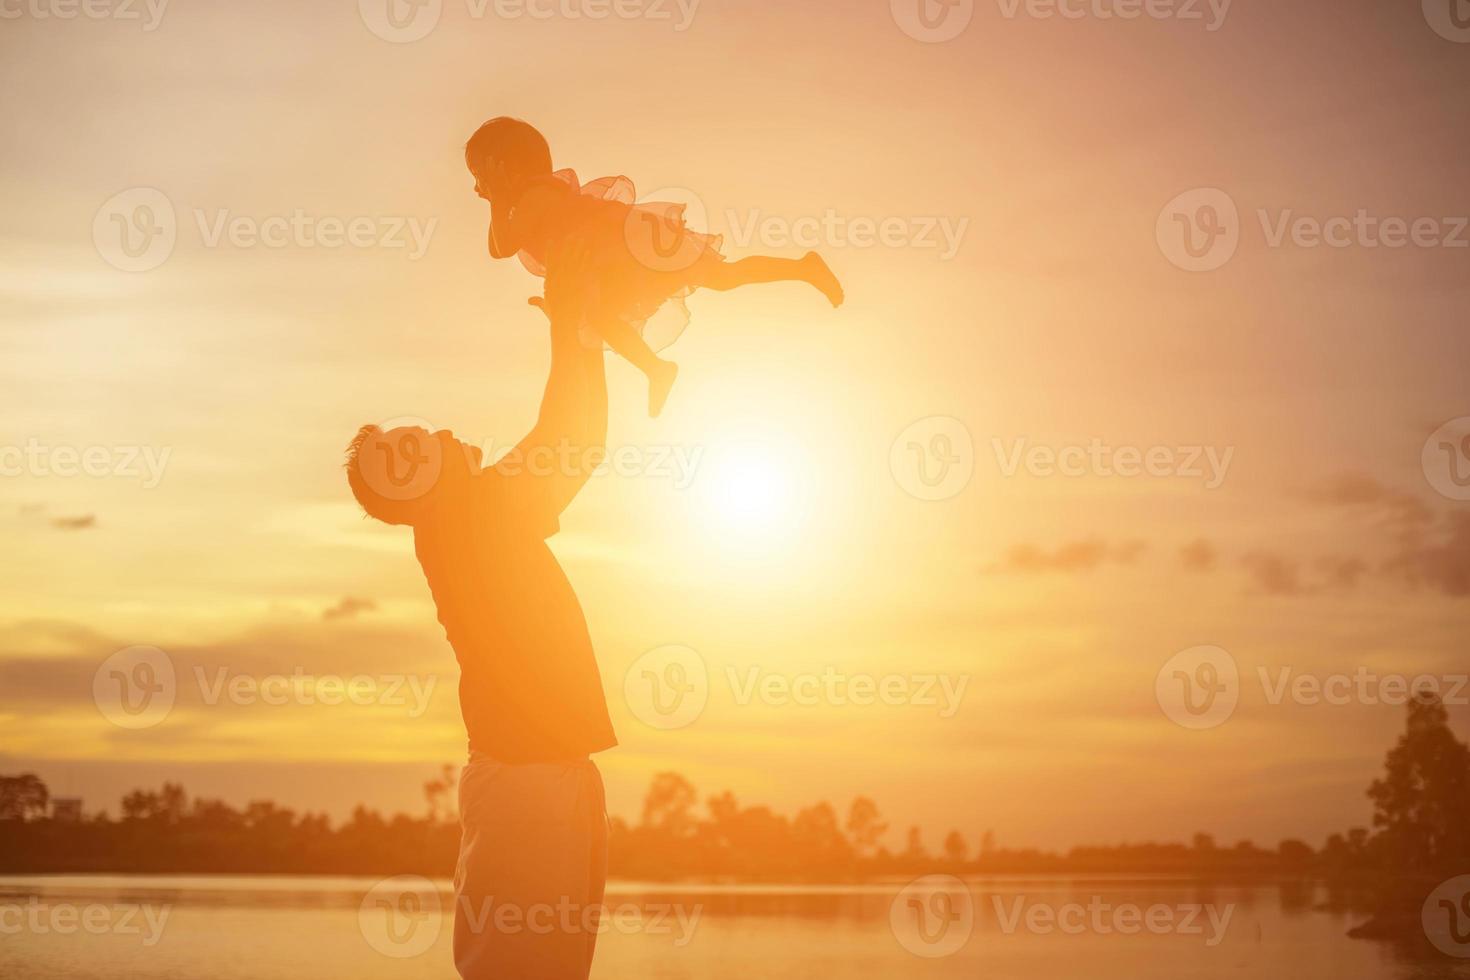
x=645 y=259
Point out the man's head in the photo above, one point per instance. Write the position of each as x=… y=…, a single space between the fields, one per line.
x=505 y=153
x=402 y=475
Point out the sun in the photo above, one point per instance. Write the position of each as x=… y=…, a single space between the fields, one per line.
x=753 y=492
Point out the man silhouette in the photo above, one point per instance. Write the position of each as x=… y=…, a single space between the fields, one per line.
x=533 y=847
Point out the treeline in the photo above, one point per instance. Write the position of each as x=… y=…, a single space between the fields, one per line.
x=1421 y=836
x=675 y=837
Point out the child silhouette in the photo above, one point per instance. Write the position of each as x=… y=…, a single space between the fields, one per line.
x=642 y=255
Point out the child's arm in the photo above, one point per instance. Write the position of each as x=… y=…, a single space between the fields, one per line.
x=519 y=216
x=546 y=469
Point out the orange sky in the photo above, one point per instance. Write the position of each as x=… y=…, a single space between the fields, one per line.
x=1051 y=318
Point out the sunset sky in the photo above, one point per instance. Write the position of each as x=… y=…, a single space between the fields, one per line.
x=1048 y=148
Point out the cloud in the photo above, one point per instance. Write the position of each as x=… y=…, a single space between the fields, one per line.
x=84 y=522
x=1444 y=565
x=1343 y=572
x=1199 y=555
x=1402 y=512
x=1275 y=574
x=1430 y=551
x=1075 y=556
x=349 y=608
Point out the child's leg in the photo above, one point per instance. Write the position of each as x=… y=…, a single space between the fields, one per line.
x=630 y=345
x=810 y=268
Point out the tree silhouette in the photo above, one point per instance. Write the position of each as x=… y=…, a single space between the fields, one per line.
x=440 y=795
x=864 y=828
x=668 y=804
x=23 y=797
x=1422 y=802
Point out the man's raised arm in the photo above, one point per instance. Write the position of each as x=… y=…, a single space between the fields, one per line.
x=555 y=460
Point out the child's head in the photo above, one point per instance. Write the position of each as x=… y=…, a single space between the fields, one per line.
x=509 y=143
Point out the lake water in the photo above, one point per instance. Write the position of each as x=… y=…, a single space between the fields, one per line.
x=259 y=928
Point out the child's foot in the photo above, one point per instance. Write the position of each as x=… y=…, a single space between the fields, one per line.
x=660 y=383
x=820 y=275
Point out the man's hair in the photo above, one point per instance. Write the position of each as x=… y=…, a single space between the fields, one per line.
x=516 y=143
x=374 y=504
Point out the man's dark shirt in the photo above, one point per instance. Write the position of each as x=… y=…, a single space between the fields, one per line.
x=529 y=686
